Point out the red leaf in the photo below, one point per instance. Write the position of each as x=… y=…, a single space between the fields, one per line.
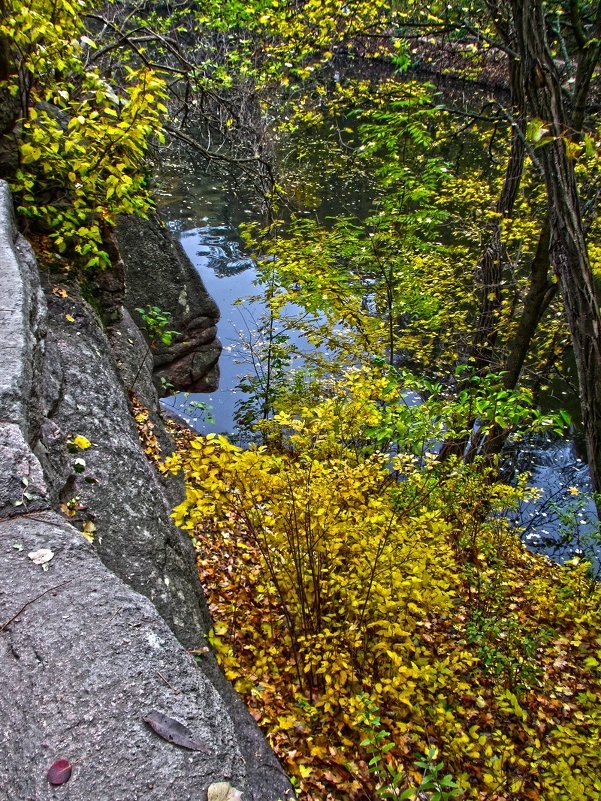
x=59 y=772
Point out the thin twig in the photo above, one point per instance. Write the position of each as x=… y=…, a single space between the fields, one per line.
x=168 y=683
x=33 y=600
x=60 y=523
x=115 y=613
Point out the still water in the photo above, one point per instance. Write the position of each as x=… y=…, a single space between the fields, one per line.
x=229 y=278
x=206 y=216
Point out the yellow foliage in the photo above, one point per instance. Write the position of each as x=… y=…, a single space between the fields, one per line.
x=331 y=580
x=82 y=139
x=82 y=443
x=146 y=433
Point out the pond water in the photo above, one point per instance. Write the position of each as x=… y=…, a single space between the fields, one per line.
x=229 y=277
x=562 y=522
x=205 y=215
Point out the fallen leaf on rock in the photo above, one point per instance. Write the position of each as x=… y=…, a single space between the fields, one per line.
x=59 y=772
x=173 y=731
x=89 y=527
x=41 y=556
x=83 y=443
x=223 y=791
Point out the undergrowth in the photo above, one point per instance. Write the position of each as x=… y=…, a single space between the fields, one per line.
x=385 y=626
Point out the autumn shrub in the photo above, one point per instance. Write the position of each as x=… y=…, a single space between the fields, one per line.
x=343 y=579
x=83 y=136
x=337 y=537
x=346 y=565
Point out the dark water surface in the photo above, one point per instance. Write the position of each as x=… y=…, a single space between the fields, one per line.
x=205 y=214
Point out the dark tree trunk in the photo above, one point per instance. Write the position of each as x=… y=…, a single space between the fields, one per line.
x=493 y=261
x=568 y=249
x=589 y=47
x=540 y=294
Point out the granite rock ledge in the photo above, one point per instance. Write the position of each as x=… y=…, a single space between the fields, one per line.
x=92 y=644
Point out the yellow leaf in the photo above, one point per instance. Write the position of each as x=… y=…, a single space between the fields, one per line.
x=81 y=442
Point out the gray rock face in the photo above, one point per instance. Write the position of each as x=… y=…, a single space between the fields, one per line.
x=22 y=484
x=158 y=273
x=22 y=325
x=21 y=316
x=83 y=664
x=119 y=490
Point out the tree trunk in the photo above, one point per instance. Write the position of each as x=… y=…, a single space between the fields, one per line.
x=567 y=248
x=492 y=263
x=589 y=51
x=540 y=294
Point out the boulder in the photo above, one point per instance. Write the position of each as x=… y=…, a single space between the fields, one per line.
x=100 y=635
x=118 y=489
x=158 y=273
x=82 y=666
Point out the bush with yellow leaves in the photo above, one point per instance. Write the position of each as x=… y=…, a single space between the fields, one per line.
x=336 y=577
